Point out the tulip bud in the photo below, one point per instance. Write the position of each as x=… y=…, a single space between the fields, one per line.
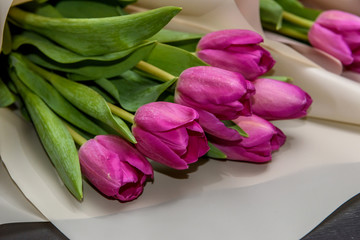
x=338 y=33
x=169 y=133
x=275 y=100
x=236 y=50
x=263 y=139
x=221 y=92
x=114 y=167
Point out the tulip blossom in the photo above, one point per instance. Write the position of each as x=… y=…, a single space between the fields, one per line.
x=236 y=50
x=224 y=93
x=114 y=167
x=169 y=133
x=275 y=100
x=263 y=138
x=338 y=33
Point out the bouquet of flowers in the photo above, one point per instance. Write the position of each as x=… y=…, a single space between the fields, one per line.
x=108 y=92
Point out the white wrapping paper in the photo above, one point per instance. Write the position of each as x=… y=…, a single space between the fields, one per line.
x=312 y=174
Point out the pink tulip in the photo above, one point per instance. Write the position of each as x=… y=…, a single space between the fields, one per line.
x=264 y=138
x=236 y=50
x=114 y=167
x=338 y=33
x=169 y=133
x=221 y=92
x=275 y=100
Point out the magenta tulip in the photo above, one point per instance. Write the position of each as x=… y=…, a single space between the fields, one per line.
x=114 y=167
x=275 y=100
x=338 y=34
x=169 y=133
x=236 y=50
x=264 y=138
x=221 y=92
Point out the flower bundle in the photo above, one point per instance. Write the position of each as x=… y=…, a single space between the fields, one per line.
x=332 y=31
x=107 y=91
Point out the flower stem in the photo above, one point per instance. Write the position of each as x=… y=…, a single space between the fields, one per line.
x=76 y=136
x=121 y=113
x=303 y=22
x=155 y=71
x=293 y=33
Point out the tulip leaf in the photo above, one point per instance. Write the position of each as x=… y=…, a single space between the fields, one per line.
x=42 y=8
x=52 y=97
x=169 y=36
x=173 y=59
x=7 y=98
x=88 y=8
x=7 y=42
x=109 y=87
x=91 y=70
x=214 y=152
x=231 y=124
x=280 y=78
x=135 y=90
x=96 y=36
x=63 y=55
x=271 y=13
x=55 y=138
x=85 y=99
x=295 y=7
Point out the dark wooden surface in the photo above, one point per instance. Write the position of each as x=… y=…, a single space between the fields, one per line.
x=342 y=224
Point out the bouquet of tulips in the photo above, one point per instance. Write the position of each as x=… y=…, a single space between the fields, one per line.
x=332 y=31
x=108 y=92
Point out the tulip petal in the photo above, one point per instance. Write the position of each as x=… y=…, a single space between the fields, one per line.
x=126 y=152
x=330 y=42
x=153 y=148
x=215 y=127
x=164 y=116
x=339 y=20
x=279 y=100
x=224 y=38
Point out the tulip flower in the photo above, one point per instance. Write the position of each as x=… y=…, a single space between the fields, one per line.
x=338 y=33
x=236 y=50
x=275 y=100
x=169 y=133
x=263 y=138
x=224 y=93
x=114 y=167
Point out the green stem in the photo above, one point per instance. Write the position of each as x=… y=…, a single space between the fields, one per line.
x=121 y=113
x=293 y=33
x=303 y=22
x=155 y=71
x=80 y=140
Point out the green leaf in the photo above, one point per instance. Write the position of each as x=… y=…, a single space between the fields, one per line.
x=168 y=36
x=91 y=70
x=214 y=152
x=96 y=36
x=63 y=55
x=271 y=13
x=55 y=138
x=135 y=90
x=109 y=87
x=172 y=59
x=295 y=7
x=280 y=78
x=88 y=8
x=6 y=97
x=231 y=124
x=7 y=42
x=42 y=8
x=85 y=99
x=52 y=97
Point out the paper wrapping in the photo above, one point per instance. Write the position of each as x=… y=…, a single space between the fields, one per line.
x=315 y=152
